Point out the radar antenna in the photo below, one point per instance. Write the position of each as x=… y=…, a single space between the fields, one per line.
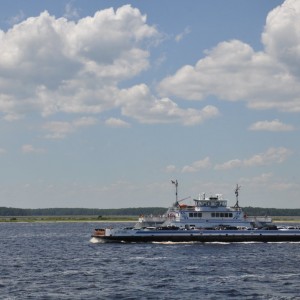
x=237 y=196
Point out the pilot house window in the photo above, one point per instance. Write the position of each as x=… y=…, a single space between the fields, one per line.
x=195 y=215
x=221 y=215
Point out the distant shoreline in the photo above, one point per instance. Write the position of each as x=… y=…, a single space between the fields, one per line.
x=66 y=219
x=107 y=219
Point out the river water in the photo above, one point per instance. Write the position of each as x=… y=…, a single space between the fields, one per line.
x=60 y=261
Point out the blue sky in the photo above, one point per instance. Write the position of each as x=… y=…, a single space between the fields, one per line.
x=103 y=103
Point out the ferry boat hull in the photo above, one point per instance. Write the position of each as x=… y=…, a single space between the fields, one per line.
x=208 y=220
x=203 y=236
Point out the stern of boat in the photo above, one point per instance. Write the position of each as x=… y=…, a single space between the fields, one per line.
x=101 y=232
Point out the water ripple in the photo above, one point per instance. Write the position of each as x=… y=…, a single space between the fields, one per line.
x=60 y=261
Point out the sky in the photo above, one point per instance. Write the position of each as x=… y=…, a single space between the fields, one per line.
x=103 y=103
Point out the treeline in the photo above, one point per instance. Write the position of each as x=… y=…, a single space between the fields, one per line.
x=258 y=211
x=9 y=211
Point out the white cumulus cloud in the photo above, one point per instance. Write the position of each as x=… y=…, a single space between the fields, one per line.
x=233 y=71
x=138 y=103
x=60 y=129
x=271 y=156
x=274 y=125
x=114 y=122
x=197 y=165
x=52 y=65
x=170 y=169
x=181 y=35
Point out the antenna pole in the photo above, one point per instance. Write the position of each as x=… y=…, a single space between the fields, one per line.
x=176 y=189
x=237 y=195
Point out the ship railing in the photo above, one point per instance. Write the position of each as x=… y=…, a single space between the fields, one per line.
x=152 y=218
x=259 y=219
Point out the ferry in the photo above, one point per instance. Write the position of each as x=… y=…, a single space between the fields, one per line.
x=209 y=219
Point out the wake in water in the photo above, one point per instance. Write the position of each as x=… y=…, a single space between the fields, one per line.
x=96 y=241
x=99 y=241
x=175 y=243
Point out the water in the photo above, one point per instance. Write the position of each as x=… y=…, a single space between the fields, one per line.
x=58 y=261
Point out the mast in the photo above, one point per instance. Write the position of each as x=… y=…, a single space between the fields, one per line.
x=237 y=195
x=176 y=190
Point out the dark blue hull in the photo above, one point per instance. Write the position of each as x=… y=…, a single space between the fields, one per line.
x=205 y=236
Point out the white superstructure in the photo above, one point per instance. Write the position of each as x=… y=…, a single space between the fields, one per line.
x=207 y=212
